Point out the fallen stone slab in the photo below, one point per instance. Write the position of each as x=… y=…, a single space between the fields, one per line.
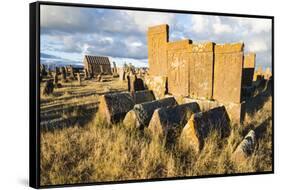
x=245 y=148
x=200 y=126
x=143 y=96
x=113 y=107
x=168 y=122
x=140 y=116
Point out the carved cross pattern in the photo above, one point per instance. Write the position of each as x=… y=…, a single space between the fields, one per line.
x=176 y=67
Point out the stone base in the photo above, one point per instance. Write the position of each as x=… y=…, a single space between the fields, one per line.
x=158 y=84
x=236 y=111
x=204 y=105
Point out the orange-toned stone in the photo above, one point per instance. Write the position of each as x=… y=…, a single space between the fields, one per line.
x=178 y=68
x=157 y=38
x=201 y=124
x=158 y=84
x=228 y=72
x=249 y=69
x=201 y=71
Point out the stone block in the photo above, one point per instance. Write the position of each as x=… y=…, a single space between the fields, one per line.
x=157 y=38
x=200 y=126
x=140 y=116
x=158 y=84
x=245 y=148
x=204 y=105
x=228 y=72
x=236 y=111
x=142 y=96
x=113 y=107
x=168 y=122
x=248 y=69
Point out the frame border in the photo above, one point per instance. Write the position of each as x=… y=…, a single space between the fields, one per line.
x=34 y=91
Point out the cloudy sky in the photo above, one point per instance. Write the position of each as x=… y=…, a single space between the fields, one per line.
x=68 y=33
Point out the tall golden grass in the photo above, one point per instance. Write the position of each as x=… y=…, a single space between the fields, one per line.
x=98 y=152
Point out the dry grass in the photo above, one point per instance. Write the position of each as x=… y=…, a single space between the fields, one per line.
x=98 y=152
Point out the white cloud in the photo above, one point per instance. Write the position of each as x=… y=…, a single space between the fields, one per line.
x=254 y=25
x=219 y=27
x=257 y=45
x=199 y=23
x=143 y=20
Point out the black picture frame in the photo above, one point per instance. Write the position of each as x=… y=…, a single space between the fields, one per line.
x=34 y=90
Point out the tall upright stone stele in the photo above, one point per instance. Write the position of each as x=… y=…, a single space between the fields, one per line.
x=157 y=38
x=249 y=69
x=228 y=72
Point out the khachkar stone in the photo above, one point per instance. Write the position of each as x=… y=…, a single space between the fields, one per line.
x=72 y=74
x=86 y=74
x=56 y=79
x=140 y=116
x=122 y=74
x=158 y=84
x=245 y=148
x=201 y=70
x=48 y=87
x=113 y=107
x=157 y=38
x=228 y=72
x=49 y=72
x=115 y=73
x=43 y=70
x=57 y=70
x=178 y=67
x=168 y=122
x=135 y=83
x=201 y=124
x=79 y=78
x=190 y=69
x=63 y=74
x=248 y=69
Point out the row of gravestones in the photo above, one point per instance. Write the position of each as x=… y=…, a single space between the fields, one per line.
x=164 y=119
x=220 y=72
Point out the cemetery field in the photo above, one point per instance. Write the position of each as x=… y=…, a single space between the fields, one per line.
x=78 y=147
x=75 y=104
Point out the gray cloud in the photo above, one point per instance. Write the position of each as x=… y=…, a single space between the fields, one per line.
x=122 y=34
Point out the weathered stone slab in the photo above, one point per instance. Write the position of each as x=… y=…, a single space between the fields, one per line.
x=135 y=84
x=200 y=126
x=190 y=69
x=236 y=111
x=157 y=38
x=178 y=67
x=201 y=71
x=158 y=84
x=113 y=107
x=204 y=105
x=248 y=69
x=168 y=122
x=48 y=87
x=140 y=116
x=143 y=96
x=245 y=148
x=228 y=72
x=122 y=74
